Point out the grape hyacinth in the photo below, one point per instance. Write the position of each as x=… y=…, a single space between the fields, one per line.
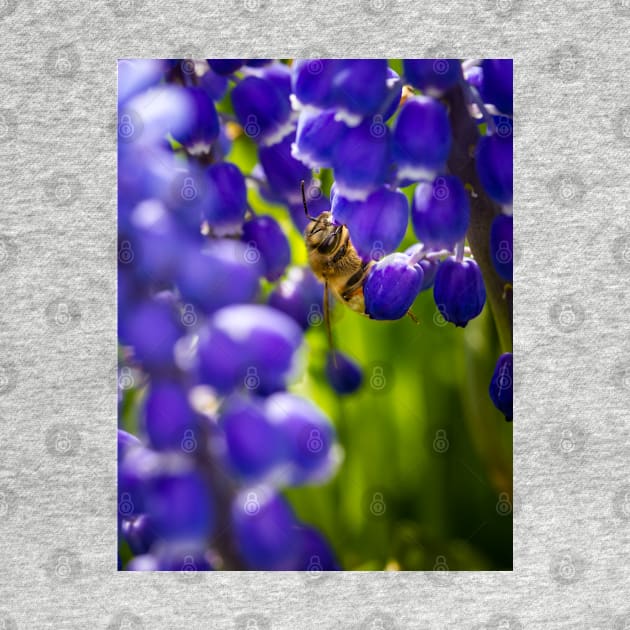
x=213 y=310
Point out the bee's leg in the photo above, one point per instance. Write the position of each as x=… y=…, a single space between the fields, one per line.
x=327 y=322
x=412 y=317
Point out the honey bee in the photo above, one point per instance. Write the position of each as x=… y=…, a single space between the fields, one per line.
x=335 y=262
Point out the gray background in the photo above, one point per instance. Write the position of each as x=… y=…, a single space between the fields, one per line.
x=58 y=381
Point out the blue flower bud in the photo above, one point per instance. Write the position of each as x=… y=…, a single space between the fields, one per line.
x=344 y=375
x=225 y=66
x=168 y=420
x=497 y=84
x=254 y=445
x=300 y=295
x=317 y=136
x=149 y=116
x=361 y=160
x=421 y=139
x=316 y=552
x=307 y=432
x=458 y=290
x=151 y=328
x=264 y=527
x=178 y=501
x=266 y=240
x=248 y=346
x=359 y=88
x=494 y=162
x=262 y=109
x=204 y=124
x=377 y=225
x=501 y=246
x=440 y=212
x=139 y=533
x=136 y=75
x=312 y=81
x=283 y=172
x=391 y=287
x=226 y=198
x=502 y=385
x=432 y=76
x=221 y=274
x=213 y=84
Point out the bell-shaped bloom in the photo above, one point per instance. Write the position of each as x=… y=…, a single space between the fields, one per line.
x=421 y=139
x=494 y=162
x=277 y=73
x=458 y=290
x=136 y=75
x=312 y=81
x=139 y=533
x=361 y=160
x=152 y=328
x=204 y=125
x=226 y=198
x=316 y=138
x=155 y=242
x=221 y=274
x=440 y=212
x=262 y=109
x=248 y=346
x=316 y=552
x=432 y=76
x=225 y=66
x=178 y=500
x=502 y=385
x=266 y=241
x=265 y=530
x=501 y=246
x=496 y=87
x=391 y=287
x=149 y=116
x=343 y=374
x=134 y=471
x=359 y=88
x=308 y=434
x=213 y=84
x=282 y=171
x=377 y=225
x=254 y=444
x=168 y=419
x=300 y=295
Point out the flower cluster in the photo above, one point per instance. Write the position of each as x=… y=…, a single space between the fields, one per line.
x=211 y=314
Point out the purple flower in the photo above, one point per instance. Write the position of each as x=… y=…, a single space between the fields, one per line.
x=248 y=346
x=225 y=66
x=421 y=139
x=226 y=198
x=494 y=162
x=458 y=291
x=391 y=287
x=300 y=295
x=501 y=246
x=497 y=84
x=344 y=374
x=377 y=225
x=432 y=76
x=440 y=212
x=266 y=240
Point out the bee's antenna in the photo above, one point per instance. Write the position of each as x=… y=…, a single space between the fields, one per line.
x=304 y=202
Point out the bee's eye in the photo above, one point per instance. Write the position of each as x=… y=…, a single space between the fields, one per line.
x=330 y=243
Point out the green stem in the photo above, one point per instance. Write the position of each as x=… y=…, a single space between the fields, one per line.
x=461 y=163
